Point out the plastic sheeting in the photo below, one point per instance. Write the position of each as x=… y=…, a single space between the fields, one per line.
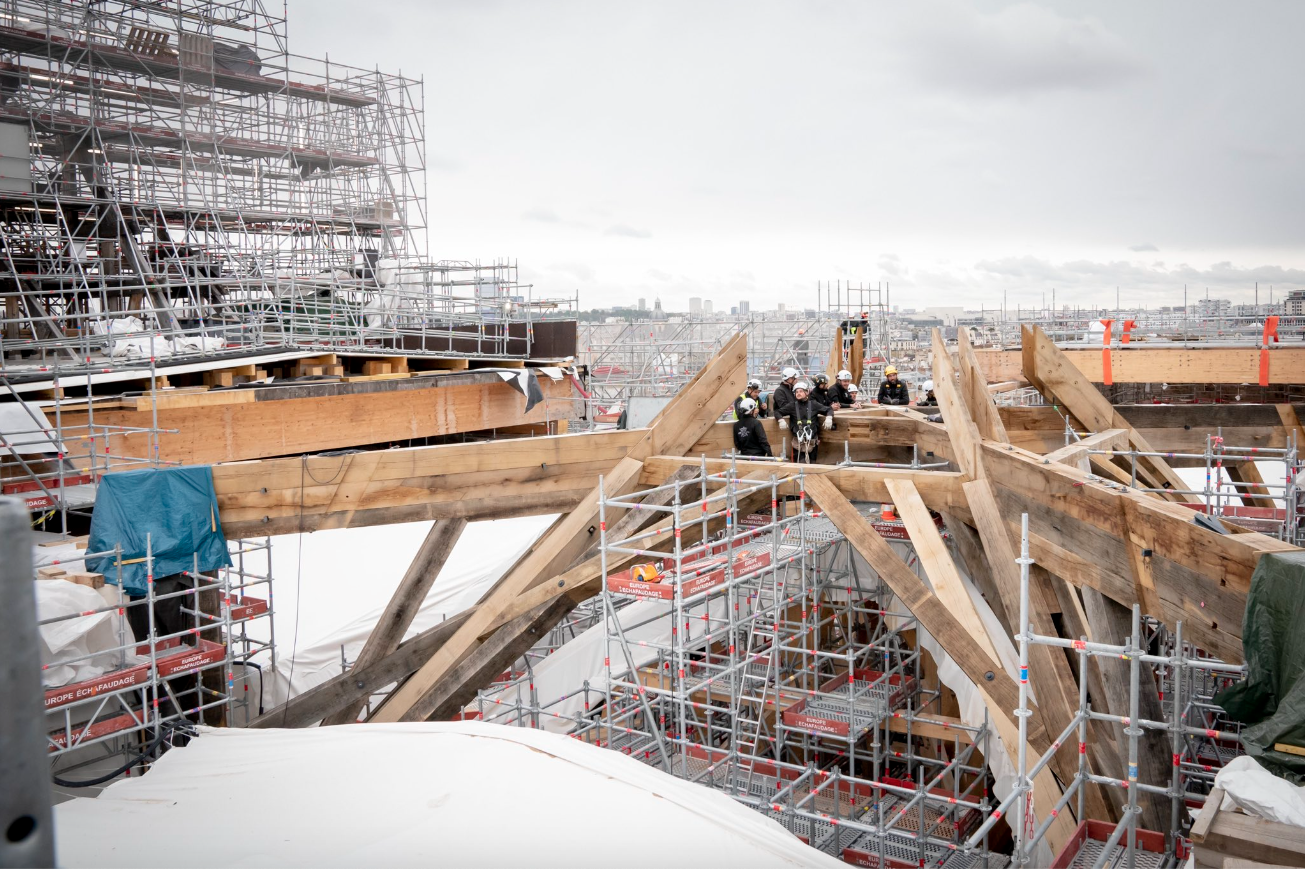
x=1256 y=791
x=331 y=587
x=430 y=794
x=174 y=510
x=75 y=638
x=1272 y=698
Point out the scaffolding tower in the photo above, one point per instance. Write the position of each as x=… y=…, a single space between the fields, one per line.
x=174 y=182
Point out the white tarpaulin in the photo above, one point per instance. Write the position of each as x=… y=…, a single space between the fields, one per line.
x=74 y=638
x=429 y=794
x=331 y=587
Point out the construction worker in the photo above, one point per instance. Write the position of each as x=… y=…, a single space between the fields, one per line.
x=855 y=392
x=841 y=393
x=749 y=434
x=820 y=390
x=804 y=423
x=783 y=396
x=892 y=390
x=753 y=392
x=929 y=400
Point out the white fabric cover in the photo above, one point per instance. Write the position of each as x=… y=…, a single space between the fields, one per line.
x=72 y=638
x=431 y=794
x=331 y=588
x=1256 y=791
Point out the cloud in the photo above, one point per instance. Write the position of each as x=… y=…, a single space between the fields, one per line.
x=541 y=215
x=1018 y=50
x=624 y=231
x=890 y=265
x=576 y=270
x=1033 y=273
x=659 y=275
x=1146 y=247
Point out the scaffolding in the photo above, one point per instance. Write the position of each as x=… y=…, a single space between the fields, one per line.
x=1200 y=738
x=759 y=657
x=180 y=655
x=175 y=182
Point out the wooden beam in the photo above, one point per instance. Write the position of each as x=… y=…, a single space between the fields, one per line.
x=1057 y=378
x=974 y=390
x=405 y=603
x=482 y=480
x=962 y=431
x=1252 y=491
x=938 y=565
x=996 y=687
x=358 y=683
x=251 y=423
x=1174 y=365
x=1111 y=438
x=680 y=424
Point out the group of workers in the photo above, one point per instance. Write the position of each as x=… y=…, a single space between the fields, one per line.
x=805 y=410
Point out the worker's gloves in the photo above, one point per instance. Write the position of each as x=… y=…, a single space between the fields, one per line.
x=829 y=422
x=934 y=417
x=783 y=424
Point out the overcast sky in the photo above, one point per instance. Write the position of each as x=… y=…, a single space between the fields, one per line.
x=958 y=151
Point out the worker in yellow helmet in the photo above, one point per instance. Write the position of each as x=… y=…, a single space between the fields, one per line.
x=892 y=390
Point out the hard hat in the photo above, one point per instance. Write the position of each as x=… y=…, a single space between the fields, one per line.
x=928 y=386
x=747 y=405
x=854 y=389
x=801 y=384
x=891 y=369
x=754 y=383
x=844 y=375
x=821 y=378
x=790 y=372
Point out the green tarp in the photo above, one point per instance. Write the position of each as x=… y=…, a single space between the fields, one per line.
x=175 y=508
x=1271 y=700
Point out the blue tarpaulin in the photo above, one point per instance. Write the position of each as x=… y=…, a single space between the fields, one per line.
x=175 y=507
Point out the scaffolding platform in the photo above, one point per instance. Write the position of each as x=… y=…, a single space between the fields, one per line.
x=848 y=710
x=1088 y=845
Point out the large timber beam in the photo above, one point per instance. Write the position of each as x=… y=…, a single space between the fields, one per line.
x=204 y=428
x=675 y=430
x=1141 y=364
x=1046 y=367
x=957 y=634
x=486 y=480
x=405 y=602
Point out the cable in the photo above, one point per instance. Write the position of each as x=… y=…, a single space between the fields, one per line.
x=158 y=740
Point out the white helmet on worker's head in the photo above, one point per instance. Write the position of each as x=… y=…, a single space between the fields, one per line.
x=802 y=384
x=754 y=383
x=790 y=373
x=927 y=386
x=844 y=375
x=748 y=406
x=854 y=389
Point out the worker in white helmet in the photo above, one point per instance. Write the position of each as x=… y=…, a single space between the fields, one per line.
x=806 y=419
x=892 y=390
x=929 y=400
x=749 y=434
x=783 y=395
x=840 y=394
x=753 y=391
x=856 y=395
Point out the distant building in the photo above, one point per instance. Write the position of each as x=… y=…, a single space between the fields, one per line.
x=745 y=308
x=695 y=305
x=780 y=307
x=706 y=306
x=643 y=304
x=1207 y=308
x=1295 y=304
x=658 y=313
x=734 y=310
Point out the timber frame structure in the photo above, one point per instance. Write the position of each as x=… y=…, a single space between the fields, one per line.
x=1100 y=545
